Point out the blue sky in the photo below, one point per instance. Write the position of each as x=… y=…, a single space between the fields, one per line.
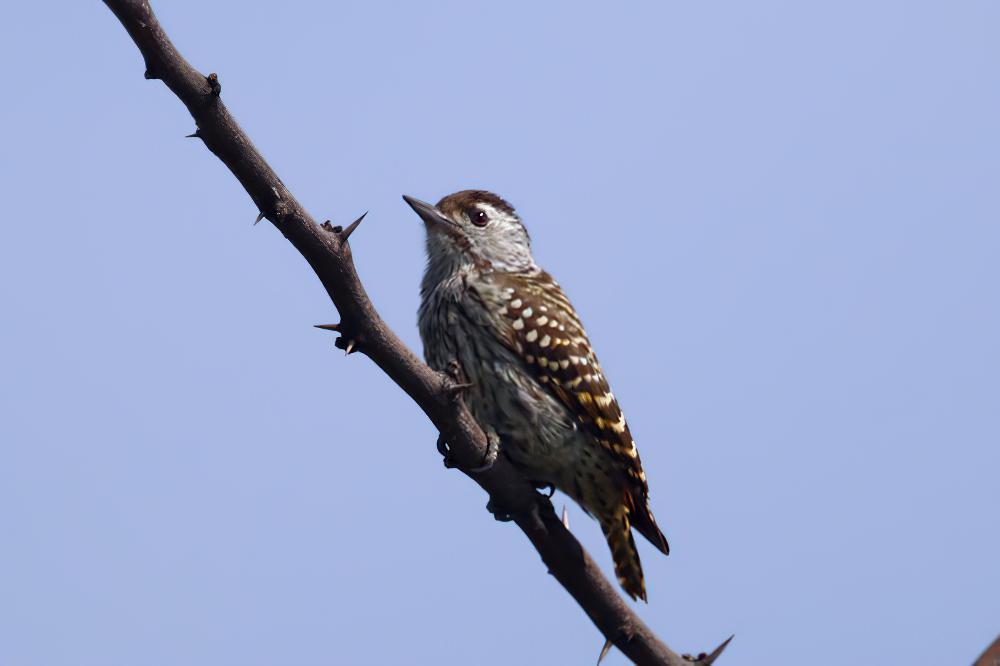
x=778 y=220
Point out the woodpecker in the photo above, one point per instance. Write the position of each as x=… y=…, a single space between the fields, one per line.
x=534 y=382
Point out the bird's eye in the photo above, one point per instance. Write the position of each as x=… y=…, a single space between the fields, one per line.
x=478 y=217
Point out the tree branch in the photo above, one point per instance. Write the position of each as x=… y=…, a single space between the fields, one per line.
x=362 y=329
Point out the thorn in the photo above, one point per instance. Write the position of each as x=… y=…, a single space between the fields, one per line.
x=328 y=327
x=260 y=216
x=196 y=135
x=604 y=651
x=349 y=347
x=710 y=659
x=346 y=233
x=326 y=225
x=565 y=522
x=458 y=388
x=148 y=74
x=456 y=381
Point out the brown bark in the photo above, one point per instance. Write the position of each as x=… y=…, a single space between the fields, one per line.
x=362 y=329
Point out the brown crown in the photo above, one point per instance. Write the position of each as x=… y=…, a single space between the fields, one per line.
x=466 y=199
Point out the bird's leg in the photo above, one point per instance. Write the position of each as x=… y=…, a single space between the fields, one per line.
x=489 y=457
x=457 y=387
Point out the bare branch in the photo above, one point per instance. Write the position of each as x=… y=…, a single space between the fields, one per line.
x=362 y=329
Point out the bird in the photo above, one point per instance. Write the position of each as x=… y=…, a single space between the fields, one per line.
x=489 y=313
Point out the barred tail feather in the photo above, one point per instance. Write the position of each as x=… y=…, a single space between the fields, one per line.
x=628 y=569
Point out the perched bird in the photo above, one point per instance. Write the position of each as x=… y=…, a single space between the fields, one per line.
x=534 y=381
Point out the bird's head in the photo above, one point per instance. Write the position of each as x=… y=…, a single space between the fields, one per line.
x=474 y=227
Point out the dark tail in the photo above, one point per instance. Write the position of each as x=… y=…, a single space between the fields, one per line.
x=642 y=520
x=618 y=531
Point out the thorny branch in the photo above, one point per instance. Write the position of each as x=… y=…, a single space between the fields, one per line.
x=361 y=329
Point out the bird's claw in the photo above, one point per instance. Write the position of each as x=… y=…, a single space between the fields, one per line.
x=489 y=457
x=492 y=452
x=445 y=451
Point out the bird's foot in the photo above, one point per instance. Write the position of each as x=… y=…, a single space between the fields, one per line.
x=445 y=451
x=489 y=457
x=491 y=454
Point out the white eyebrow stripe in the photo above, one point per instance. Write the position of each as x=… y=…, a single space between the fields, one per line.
x=488 y=209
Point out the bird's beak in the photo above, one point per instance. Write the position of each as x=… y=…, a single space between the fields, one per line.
x=428 y=213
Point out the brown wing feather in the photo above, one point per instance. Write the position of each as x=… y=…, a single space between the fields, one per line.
x=542 y=327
